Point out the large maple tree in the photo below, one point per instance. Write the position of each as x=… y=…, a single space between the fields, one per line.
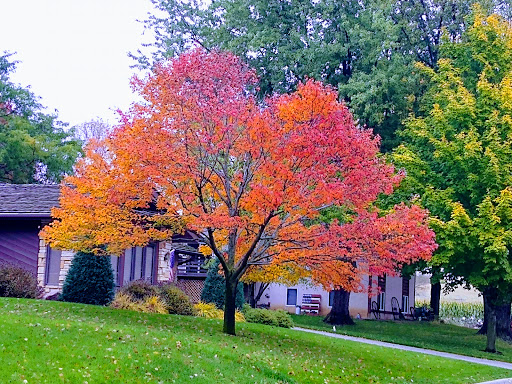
x=251 y=180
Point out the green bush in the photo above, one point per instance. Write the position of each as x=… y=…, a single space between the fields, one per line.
x=175 y=300
x=278 y=318
x=153 y=304
x=215 y=288
x=139 y=290
x=18 y=282
x=90 y=280
x=283 y=318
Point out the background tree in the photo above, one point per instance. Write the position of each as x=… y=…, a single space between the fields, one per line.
x=376 y=243
x=96 y=129
x=366 y=49
x=458 y=158
x=249 y=180
x=34 y=146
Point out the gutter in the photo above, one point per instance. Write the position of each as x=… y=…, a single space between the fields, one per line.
x=25 y=214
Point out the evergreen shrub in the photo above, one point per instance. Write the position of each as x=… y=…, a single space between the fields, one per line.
x=215 y=288
x=90 y=280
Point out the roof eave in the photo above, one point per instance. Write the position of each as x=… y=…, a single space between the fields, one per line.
x=26 y=214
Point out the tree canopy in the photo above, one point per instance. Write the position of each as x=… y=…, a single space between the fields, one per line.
x=458 y=157
x=366 y=49
x=34 y=146
x=251 y=180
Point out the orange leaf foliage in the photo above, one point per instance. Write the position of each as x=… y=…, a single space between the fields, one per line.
x=248 y=178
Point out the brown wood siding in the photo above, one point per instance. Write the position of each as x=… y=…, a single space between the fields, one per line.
x=19 y=243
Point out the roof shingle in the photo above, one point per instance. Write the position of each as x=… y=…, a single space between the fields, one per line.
x=30 y=199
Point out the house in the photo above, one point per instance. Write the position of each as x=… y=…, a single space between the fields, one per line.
x=26 y=208
x=395 y=291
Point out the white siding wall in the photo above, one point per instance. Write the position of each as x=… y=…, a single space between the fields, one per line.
x=276 y=295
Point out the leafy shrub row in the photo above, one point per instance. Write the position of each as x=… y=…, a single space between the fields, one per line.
x=18 y=282
x=152 y=304
x=210 y=311
x=277 y=318
x=142 y=296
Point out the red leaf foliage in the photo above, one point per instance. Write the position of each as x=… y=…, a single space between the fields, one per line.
x=250 y=179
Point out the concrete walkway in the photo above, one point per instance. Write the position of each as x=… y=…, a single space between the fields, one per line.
x=476 y=360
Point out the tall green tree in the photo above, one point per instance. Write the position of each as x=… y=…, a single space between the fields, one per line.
x=34 y=146
x=458 y=157
x=365 y=48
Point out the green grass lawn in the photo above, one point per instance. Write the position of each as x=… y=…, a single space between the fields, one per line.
x=430 y=335
x=52 y=342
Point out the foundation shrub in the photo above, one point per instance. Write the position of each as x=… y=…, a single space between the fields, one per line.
x=278 y=318
x=210 y=311
x=18 y=282
x=175 y=300
x=139 y=290
x=90 y=280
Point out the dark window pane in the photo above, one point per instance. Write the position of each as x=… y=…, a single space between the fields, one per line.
x=331 y=298
x=127 y=266
x=405 y=303
x=148 y=268
x=114 y=260
x=137 y=265
x=291 y=297
x=53 y=257
x=381 y=301
x=382 y=283
x=405 y=286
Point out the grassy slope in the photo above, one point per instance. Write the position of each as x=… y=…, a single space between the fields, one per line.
x=440 y=337
x=51 y=342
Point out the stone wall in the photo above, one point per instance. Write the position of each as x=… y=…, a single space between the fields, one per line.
x=163 y=272
x=65 y=263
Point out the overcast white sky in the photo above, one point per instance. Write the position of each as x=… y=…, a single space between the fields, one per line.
x=73 y=53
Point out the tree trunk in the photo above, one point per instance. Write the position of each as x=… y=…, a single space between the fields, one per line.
x=502 y=320
x=491 y=330
x=230 y=307
x=435 y=296
x=262 y=288
x=340 y=314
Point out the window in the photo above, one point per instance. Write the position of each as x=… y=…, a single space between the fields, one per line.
x=381 y=298
x=52 y=272
x=331 y=298
x=137 y=263
x=291 y=297
x=405 y=293
x=405 y=286
x=405 y=304
x=114 y=260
